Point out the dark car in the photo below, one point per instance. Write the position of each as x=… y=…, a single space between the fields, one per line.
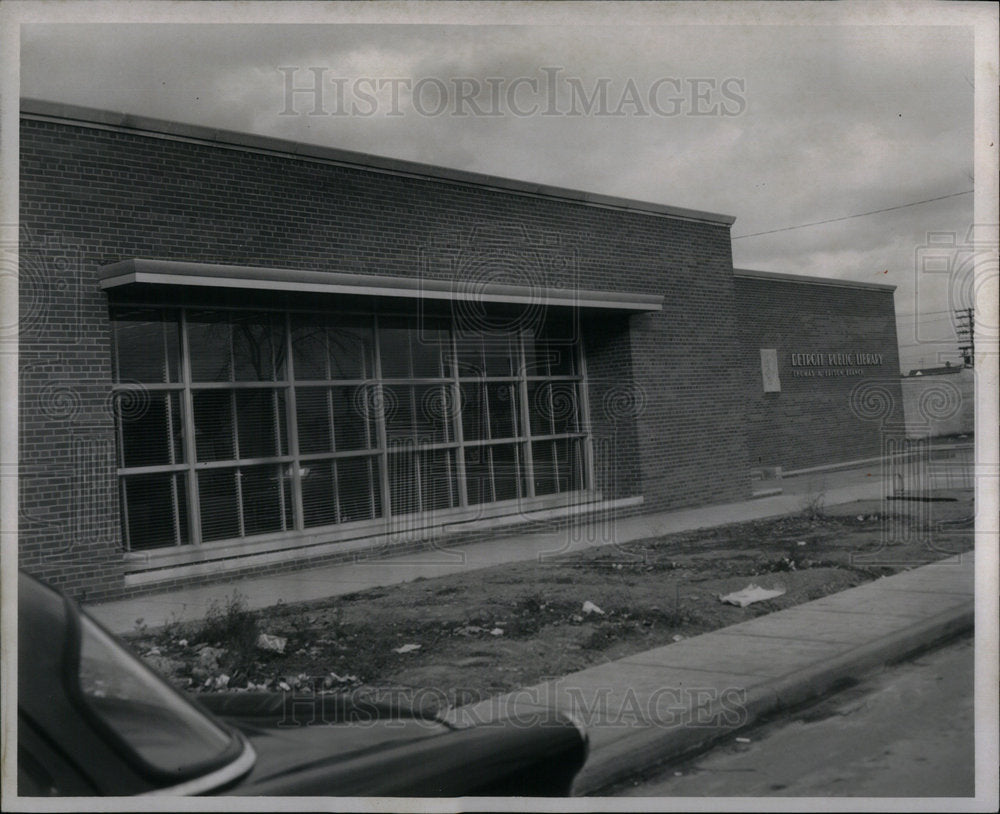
x=95 y=720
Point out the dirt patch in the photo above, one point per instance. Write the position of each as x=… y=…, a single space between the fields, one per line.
x=492 y=630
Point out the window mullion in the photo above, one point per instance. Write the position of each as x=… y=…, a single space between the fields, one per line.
x=529 y=462
x=415 y=440
x=175 y=508
x=166 y=348
x=292 y=422
x=379 y=403
x=334 y=469
x=188 y=431
x=172 y=453
x=234 y=422
x=584 y=401
x=127 y=542
x=234 y=418
x=120 y=459
x=458 y=431
x=418 y=470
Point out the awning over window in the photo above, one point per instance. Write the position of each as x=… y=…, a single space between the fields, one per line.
x=178 y=273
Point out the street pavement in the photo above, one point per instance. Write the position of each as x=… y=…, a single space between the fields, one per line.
x=906 y=731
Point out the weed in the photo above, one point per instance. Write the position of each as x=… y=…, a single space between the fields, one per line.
x=531 y=603
x=600 y=638
x=814 y=506
x=670 y=618
x=172 y=627
x=232 y=626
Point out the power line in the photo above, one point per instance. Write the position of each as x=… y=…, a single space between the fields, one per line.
x=849 y=217
x=945 y=341
x=933 y=321
x=923 y=313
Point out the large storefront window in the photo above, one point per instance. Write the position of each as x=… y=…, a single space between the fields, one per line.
x=239 y=423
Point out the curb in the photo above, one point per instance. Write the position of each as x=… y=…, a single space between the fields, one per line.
x=650 y=746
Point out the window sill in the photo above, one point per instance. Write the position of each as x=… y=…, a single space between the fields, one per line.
x=362 y=540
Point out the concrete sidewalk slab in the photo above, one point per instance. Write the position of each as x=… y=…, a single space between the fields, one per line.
x=759 y=655
x=889 y=600
x=814 y=624
x=320 y=582
x=666 y=702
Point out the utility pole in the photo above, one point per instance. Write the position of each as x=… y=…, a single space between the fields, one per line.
x=965 y=331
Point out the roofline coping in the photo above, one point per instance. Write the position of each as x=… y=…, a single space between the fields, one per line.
x=105 y=119
x=805 y=279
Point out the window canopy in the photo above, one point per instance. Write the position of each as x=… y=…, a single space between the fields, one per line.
x=178 y=273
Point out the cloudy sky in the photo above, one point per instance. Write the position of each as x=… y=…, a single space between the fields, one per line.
x=773 y=116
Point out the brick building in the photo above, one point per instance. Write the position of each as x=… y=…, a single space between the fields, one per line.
x=837 y=367
x=240 y=354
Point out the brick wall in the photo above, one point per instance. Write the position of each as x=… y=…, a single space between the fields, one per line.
x=817 y=419
x=90 y=197
x=615 y=402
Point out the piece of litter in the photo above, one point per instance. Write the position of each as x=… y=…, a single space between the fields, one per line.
x=752 y=593
x=678 y=774
x=801 y=542
x=861 y=517
x=677 y=637
x=497 y=631
x=590 y=607
x=743 y=740
x=406 y=648
x=273 y=644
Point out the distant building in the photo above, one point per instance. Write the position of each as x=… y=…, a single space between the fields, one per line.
x=939 y=401
x=240 y=354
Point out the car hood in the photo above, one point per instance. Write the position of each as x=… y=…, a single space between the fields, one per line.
x=293 y=735
x=330 y=746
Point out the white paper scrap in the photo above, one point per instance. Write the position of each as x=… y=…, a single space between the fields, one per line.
x=752 y=593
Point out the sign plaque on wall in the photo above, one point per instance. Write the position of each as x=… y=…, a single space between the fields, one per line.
x=769 y=370
x=825 y=364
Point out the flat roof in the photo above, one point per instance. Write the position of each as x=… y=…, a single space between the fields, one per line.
x=38 y=109
x=807 y=280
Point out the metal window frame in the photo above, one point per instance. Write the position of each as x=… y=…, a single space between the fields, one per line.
x=381 y=508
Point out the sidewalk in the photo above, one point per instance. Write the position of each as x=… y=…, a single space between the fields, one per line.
x=680 y=698
x=319 y=582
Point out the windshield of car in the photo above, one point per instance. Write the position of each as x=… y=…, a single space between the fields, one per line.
x=162 y=727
